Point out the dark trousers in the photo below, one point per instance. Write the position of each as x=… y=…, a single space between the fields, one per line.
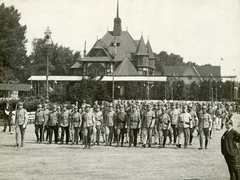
x=111 y=133
x=120 y=133
x=39 y=127
x=7 y=122
x=133 y=137
x=51 y=130
x=46 y=129
x=191 y=134
x=66 y=130
x=204 y=132
x=231 y=163
x=88 y=131
x=20 y=130
x=165 y=133
x=175 y=133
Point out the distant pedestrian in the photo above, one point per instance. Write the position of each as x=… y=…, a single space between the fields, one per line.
x=21 y=120
x=229 y=148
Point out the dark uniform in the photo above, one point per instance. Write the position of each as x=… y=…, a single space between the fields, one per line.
x=53 y=120
x=134 y=125
x=121 y=122
x=38 y=123
x=7 y=115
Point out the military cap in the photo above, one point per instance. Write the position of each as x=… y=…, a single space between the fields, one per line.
x=20 y=103
x=39 y=105
x=64 y=105
x=75 y=107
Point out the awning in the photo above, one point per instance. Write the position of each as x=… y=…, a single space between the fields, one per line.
x=15 y=87
x=105 y=78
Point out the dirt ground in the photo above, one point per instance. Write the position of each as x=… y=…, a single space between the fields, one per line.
x=43 y=161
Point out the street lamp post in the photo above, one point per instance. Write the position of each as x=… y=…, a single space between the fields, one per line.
x=113 y=64
x=47 y=42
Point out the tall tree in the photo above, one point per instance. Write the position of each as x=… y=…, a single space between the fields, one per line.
x=60 y=58
x=12 y=44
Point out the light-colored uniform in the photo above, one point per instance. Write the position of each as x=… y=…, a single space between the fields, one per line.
x=21 y=119
x=183 y=128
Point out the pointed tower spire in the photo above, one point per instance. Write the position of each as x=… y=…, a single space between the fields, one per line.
x=149 y=50
x=117 y=8
x=117 y=28
x=84 y=51
x=141 y=48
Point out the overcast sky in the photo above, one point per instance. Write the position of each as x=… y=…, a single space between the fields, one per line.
x=200 y=31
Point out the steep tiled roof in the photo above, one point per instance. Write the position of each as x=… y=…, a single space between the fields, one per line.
x=149 y=50
x=178 y=70
x=126 y=44
x=126 y=68
x=203 y=71
x=76 y=65
x=141 y=48
x=206 y=70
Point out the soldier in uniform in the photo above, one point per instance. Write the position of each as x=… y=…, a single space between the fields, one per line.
x=148 y=122
x=174 y=115
x=133 y=125
x=183 y=128
x=76 y=121
x=164 y=123
x=219 y=117
x=193 y=122
x=158 y=113
x=98 y=122
x=64 y=123
x=21 y=120
x=121 y=123
x=204 y=125
x=38 y=123
x=54 y=119
x=88 y=120
x=211 y=110
x=7 y=115
x=46 y=116
x=108 y=123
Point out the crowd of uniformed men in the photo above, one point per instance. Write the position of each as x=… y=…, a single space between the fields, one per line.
x=131 y=119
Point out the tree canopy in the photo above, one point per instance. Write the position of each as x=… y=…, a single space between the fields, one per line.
x=12 y=44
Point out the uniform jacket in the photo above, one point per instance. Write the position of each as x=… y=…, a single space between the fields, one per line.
x=228 y=143
x=98 y=118
x=65 y=118
x=88 y=119
x=164 y=121
x=54 y=118
x=121 y=120
x=134 y=121
x=148 y=119
x=204 y=120
x=39 y=117
x=184 y=120
x=76 y=119
x=110 y=118
x=174 y=115
x=21 y=117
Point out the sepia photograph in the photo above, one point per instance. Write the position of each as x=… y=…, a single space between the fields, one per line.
x=120 y=89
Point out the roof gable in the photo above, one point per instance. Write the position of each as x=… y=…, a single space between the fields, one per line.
x=141 y=48
x=149 y=50
x=126 y=68
x=125 y=44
